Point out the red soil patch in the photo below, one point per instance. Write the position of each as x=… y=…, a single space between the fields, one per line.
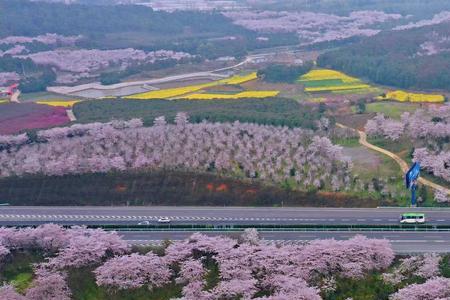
x=15 y=117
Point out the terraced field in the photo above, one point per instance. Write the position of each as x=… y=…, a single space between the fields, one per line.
x=241 y=95
x=197 y=91
x=330 y=81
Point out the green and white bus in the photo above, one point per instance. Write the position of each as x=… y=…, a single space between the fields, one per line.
x=412 y=218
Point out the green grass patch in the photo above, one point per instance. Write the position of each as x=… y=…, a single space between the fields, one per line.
x=365 y=91
x=22 y=281
x=371 y=287
x=444 y=266
x=212 y=277
x=323 y=83
x=401 y=147
x=83 y=287
x=390 y=109
x=19 y=270
x=349 y=142
x=388 y=170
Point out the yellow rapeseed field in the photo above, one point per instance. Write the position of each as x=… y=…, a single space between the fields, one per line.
x=327 y=74
x=180 y=91
x=403 y=96
x=326 y=80
x=64 y=103
x=246 y=94
x=240 y=79
x=170 y=93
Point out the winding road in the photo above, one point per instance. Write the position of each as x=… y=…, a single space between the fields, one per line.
x=403 y=165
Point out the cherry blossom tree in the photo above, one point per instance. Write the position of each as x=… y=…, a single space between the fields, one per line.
x=49 y=286
x=310 y=26
x=429 y=129
x=87 y=247
x=437 y=19
x=133 y=271
x=8 y=292
x=84 y=63
x=247 y=266
x=270 y=153
x=425 y=266
x=49 y=39
x=441 y=196
x=433 y=289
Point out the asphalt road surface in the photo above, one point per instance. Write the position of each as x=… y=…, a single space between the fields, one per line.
x=402 y=242
x=213 y=215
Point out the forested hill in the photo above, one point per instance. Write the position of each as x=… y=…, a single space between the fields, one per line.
x=413 y=58
x=20 y=17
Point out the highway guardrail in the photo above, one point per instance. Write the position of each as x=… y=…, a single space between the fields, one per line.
x=262 y=227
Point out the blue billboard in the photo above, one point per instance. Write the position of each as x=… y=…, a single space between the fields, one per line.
x=412 y=175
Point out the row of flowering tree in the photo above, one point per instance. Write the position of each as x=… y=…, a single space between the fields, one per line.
x=275 y=154
x=247 y=267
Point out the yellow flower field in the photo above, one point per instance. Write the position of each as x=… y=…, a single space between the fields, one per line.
x=64 y=103
x=180 y=91
x=240 y=79
x=326 y=80
x=327 y=74
x=246 y=94
x=403 y=96
x=170 y=93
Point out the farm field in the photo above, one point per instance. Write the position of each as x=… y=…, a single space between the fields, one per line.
x=15 y=118
x=58 y=102
x=403 y=96
x=246 y=94
x=270 y=111
x=326 y=81
x=390 y=108
x=184 y=90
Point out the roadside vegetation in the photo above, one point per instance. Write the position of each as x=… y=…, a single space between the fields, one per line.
x=82 y=264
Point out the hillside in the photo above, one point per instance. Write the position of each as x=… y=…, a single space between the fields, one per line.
x=407 y=58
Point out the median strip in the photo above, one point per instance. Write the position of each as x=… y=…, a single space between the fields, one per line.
x=260 y=227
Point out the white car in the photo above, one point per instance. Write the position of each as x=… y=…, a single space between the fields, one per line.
x=144 y=223
x=163 y=220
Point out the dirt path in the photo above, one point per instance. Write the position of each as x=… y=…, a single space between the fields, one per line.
x=403 y=165
x=71 y=115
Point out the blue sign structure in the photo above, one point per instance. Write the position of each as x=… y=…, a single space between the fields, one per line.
x=411 y=178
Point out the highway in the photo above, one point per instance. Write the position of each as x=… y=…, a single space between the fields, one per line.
x=214 y=215
x=402 y=241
